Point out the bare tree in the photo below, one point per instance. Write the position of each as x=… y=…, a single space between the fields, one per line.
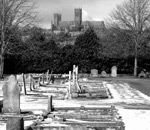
x=134 y=16
x=13 y=14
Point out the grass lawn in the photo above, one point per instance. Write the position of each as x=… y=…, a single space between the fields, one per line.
x=140 y=84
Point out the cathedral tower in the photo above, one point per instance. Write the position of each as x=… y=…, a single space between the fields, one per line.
x=78 y=16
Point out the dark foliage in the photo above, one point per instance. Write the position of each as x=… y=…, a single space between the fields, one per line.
x=38 y=54
x=87 y=47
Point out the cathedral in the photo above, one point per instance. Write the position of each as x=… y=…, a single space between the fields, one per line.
x=77 y=24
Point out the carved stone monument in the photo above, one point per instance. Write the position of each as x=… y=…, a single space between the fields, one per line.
x=114 y=71
x=11 y=96
x=94 y=73
x=104 y=74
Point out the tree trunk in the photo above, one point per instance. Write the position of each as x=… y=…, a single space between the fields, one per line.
x=2 y=59
x=1 y=65
x=135 y=66
x=136 y=56
x=2 y=42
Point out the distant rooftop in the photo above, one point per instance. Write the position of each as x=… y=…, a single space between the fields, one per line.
x=66 y=24
x=95 y=24
x=86 y=24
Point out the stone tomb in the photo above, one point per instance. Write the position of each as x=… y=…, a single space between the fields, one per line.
x=82 y=118
x=94 y=73
x=11 y=96
x=114 y=71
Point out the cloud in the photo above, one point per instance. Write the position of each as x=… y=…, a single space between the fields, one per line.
x=97 y=19
x=91 y=9
x=86 y=16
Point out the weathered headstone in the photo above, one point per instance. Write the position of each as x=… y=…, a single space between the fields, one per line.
x=32 y=82
x=104 y=74
x=142 y=75
x=94 y=73
x=19 y=78
x=22 y=83
x=147 y=74
x=114 y=71
x=15 y=123
x=11 y=96
x=28 y=80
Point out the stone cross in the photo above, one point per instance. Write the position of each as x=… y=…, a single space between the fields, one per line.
x=114 y=71
x=11 y=96
x=22 y=83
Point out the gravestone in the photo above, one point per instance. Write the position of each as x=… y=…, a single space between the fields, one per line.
x=19 y=78
x=94 y=73
x=147 y=74
x=104 y=74
x=114 y=71
x=22 y=83
x=11 y=96
x=142 y=75
x=28 y=81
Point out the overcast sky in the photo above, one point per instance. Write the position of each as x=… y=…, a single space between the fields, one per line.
x=91 y=9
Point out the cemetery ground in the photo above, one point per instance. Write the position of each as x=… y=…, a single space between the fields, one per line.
x=129 y=95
